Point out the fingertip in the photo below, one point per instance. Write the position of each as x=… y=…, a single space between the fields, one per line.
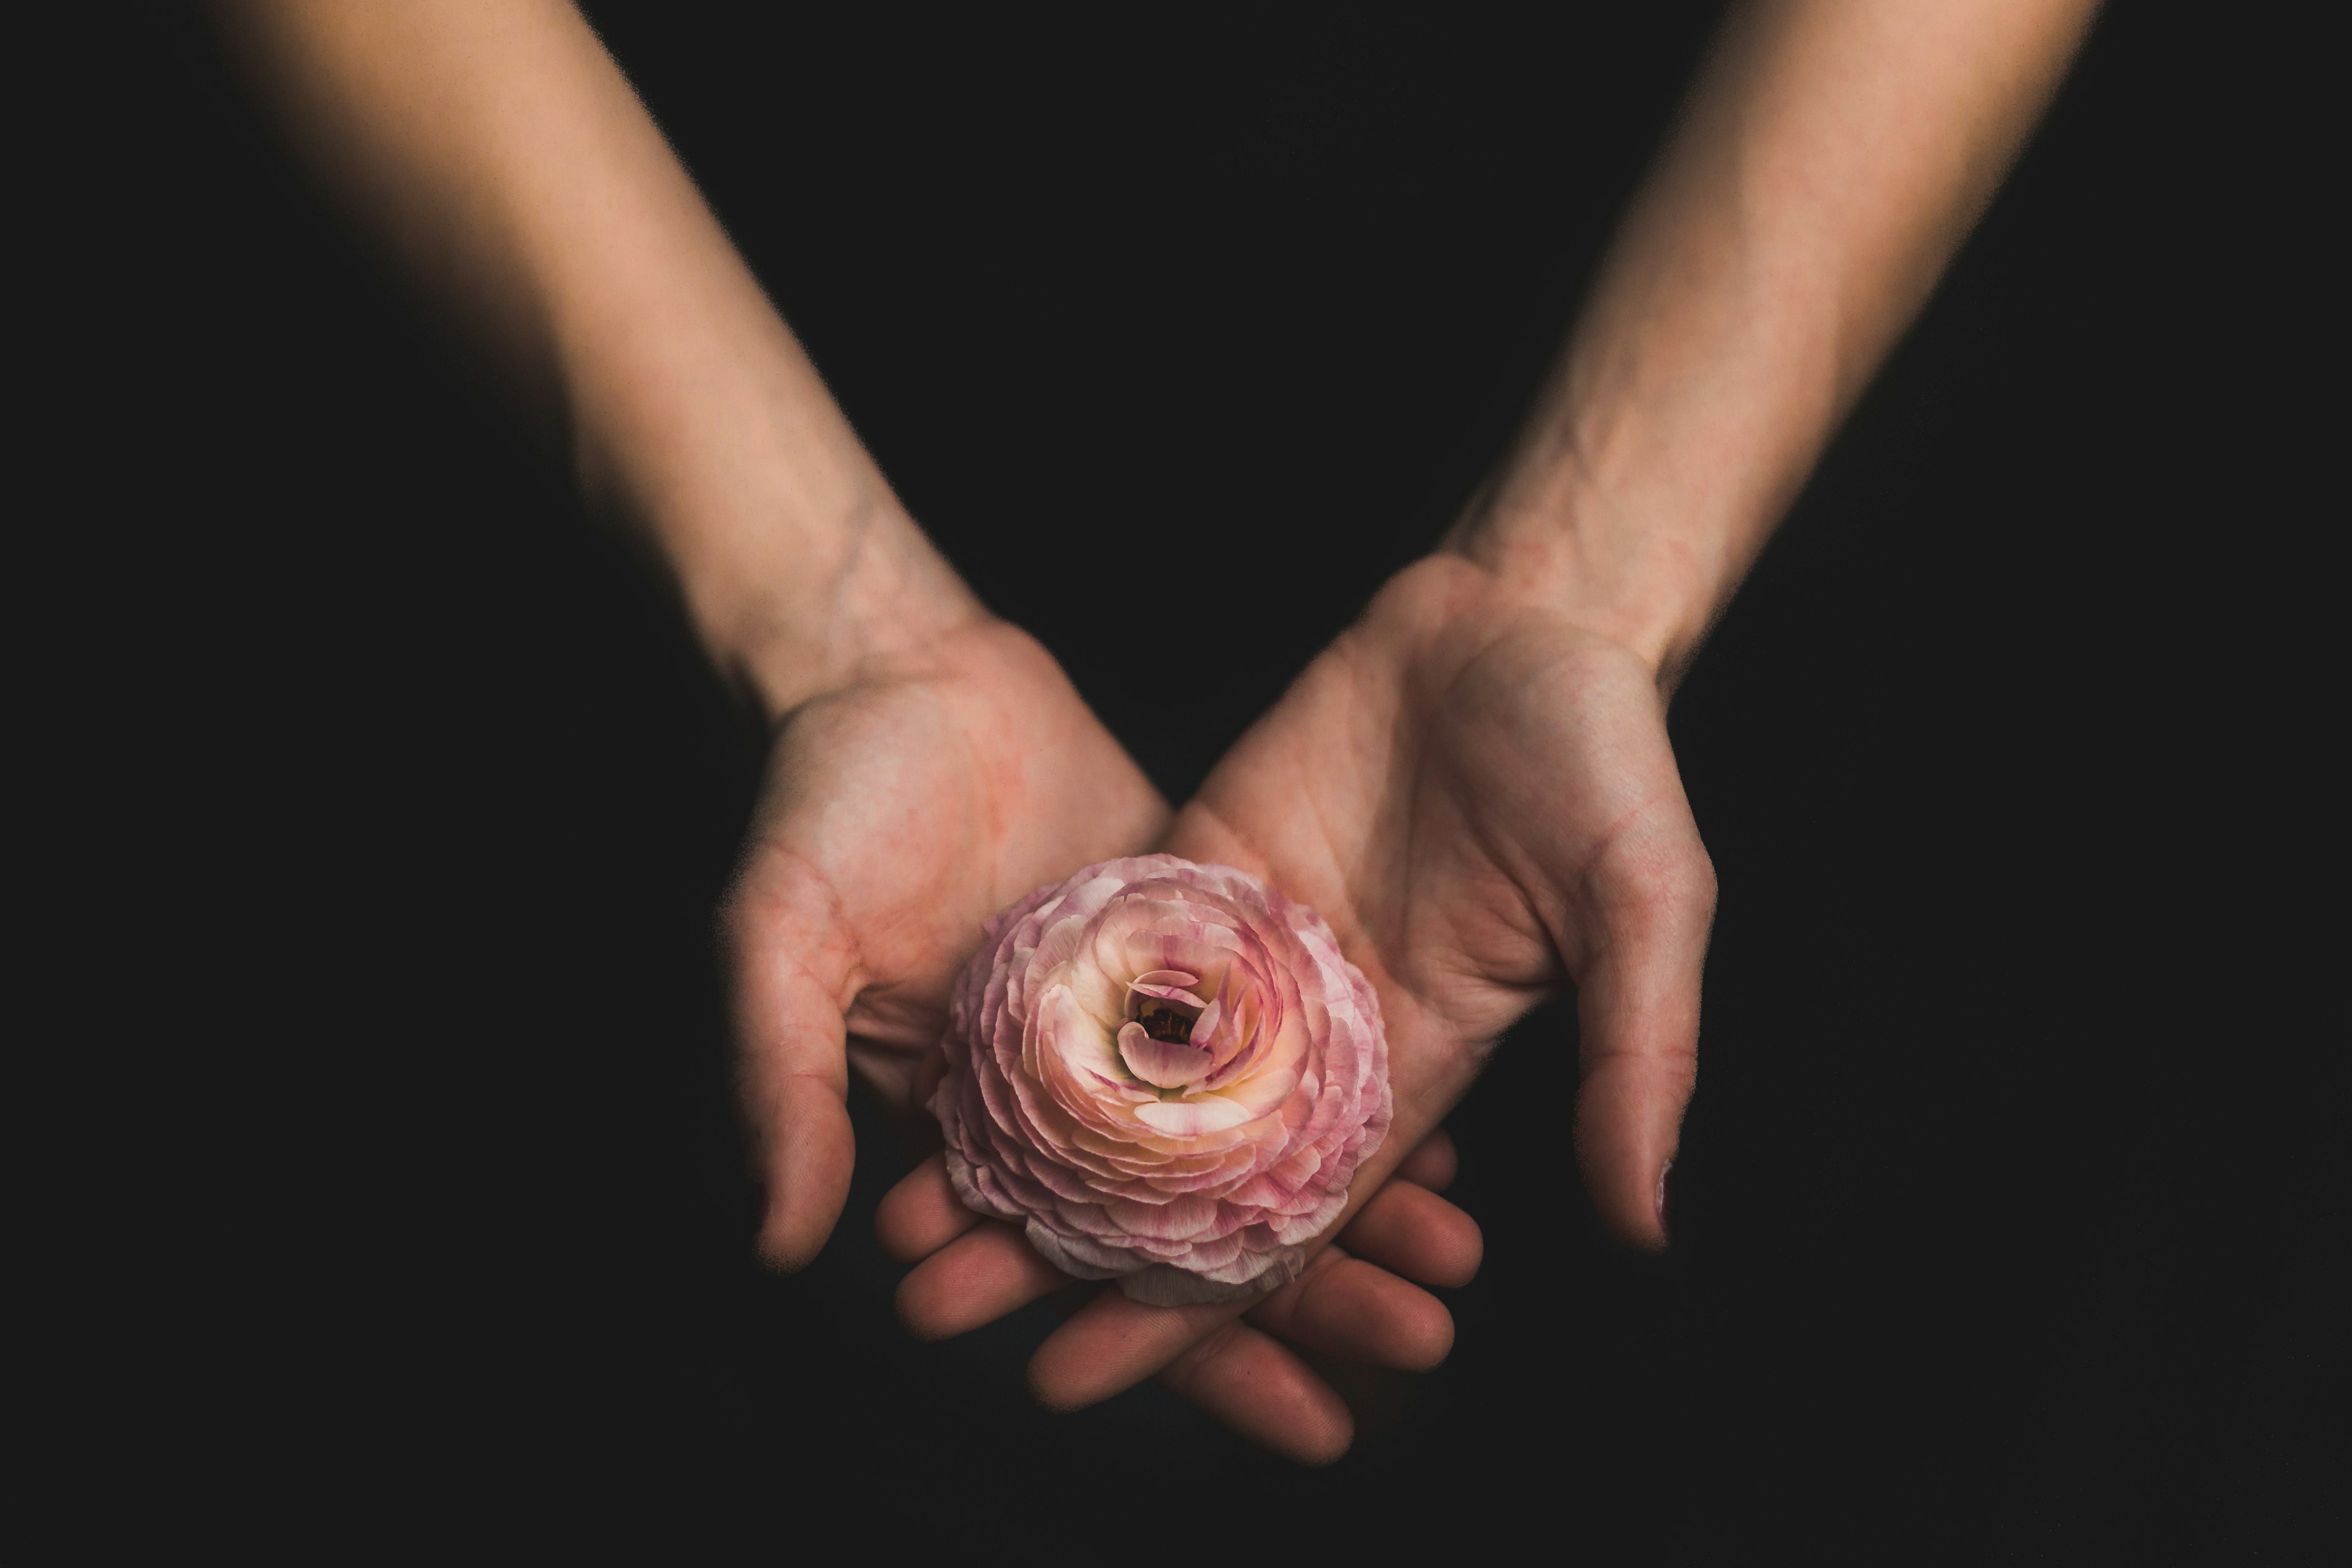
x=974 y=1280
x=1414 y=1233
x=1628 y=1204
x=1434 y=1165
x=1113 y=1343
x=921 y=1213
x=1630 y=1210
x=1463 y=1254
x=1421 y=1332
x=1252 y=1384
x=1360 y=1311
x=1628 y=1123
x=912 y=1304
x=1436 y=1342
x=796 y=1227
x=1046 y=1390
x=1327 y=1442
x=808 y=1183
x=1060 y=1381
x=787 y=1244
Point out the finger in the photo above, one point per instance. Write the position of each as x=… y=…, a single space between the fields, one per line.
x=921 y=1213
x=1411 y=1231
x=1637 y=1015
x=790 y=974
x=1357 y=1310
x=1434 y=1165
x=1263 y=1392
x=1113 y=1343
x=974 y=1280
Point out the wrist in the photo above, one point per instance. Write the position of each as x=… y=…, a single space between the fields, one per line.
x=1636 y=500
x=798 y=567
x=871 y=597
x=1580 y=557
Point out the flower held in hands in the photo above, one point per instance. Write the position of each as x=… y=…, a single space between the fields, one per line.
x=1167 y=1073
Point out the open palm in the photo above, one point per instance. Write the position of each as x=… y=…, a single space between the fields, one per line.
x=1478 y=794
x=899 y=814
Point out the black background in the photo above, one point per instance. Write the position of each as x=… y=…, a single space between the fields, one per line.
x=392 y=801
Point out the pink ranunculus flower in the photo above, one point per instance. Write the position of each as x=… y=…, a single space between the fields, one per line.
x=1166 y=1073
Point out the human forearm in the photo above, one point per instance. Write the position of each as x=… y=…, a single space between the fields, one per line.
x=516 y=175
x=1832 y=157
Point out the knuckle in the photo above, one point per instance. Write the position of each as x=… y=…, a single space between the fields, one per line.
x=1677 y=1067
x=1703 y=885
x=1669 y=889
x=1685 y=880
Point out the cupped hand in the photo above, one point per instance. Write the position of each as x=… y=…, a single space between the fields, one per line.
x=1478 y=791
x=899 y=813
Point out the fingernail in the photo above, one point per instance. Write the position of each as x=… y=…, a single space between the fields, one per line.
x=1666 y=1200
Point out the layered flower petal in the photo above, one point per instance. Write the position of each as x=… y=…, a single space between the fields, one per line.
x=1167 y=1073
x=1163 y=1064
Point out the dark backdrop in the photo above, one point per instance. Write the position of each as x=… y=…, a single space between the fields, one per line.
x=395 y=801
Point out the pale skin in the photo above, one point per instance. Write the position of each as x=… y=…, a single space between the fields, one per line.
x=1474 y=783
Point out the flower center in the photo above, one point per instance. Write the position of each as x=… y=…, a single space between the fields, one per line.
x=1164 y=1020
x=1163 y=1003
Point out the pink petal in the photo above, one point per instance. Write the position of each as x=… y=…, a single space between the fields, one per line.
x=1165 y=993
x=1165 y=1063
x=1050 y=1107
x=1188 y=1118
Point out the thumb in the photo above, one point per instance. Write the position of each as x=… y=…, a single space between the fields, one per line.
x=1637 y=1003
x=790 y=973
